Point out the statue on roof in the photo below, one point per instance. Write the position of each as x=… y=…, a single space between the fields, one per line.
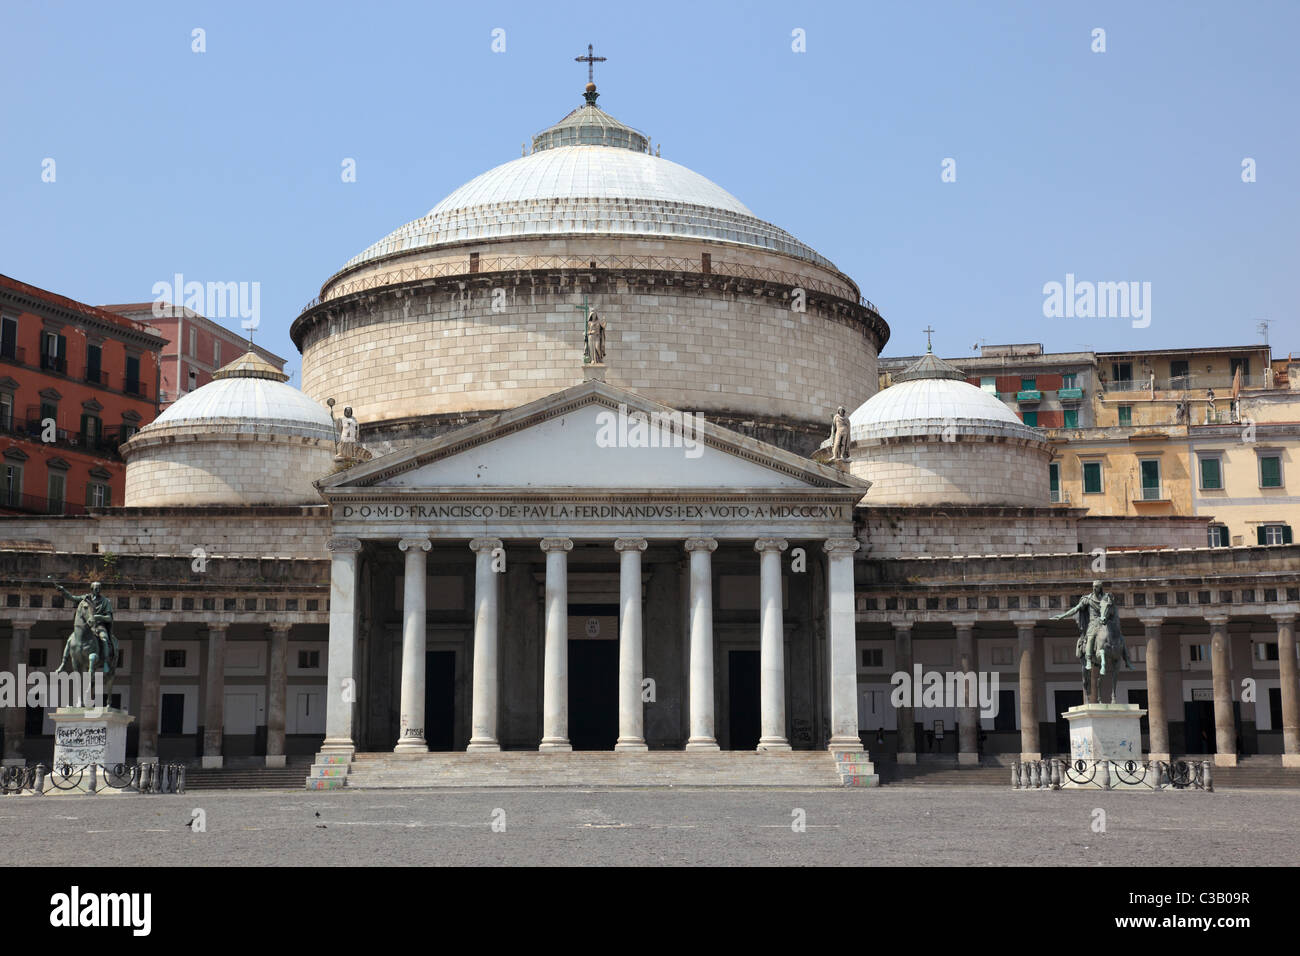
x=347 y=447
x=840 y=435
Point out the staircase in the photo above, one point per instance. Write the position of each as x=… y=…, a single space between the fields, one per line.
x=523 y=768
x=1263 y=772
x=250 y=778
x=946 y=775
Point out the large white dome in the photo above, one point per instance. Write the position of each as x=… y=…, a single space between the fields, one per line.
x=253 y=401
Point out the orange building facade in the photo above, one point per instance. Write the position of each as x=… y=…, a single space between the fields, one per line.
x=75 y=382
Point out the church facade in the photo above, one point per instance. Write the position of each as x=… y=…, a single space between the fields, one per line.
x=515 y=545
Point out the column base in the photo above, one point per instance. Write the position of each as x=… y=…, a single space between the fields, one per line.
x=631 y=745
x=907 y=758
x=1225 y=760
x=339 y=746
x=555 y=745
x=483 y=745
x=773 y=744
x=1028 y=756
x=846 y=745
x=275 y=760
x=411 y=745
x=1291 y=760
x=965 y=759
x=702 y=744
x=211 y=763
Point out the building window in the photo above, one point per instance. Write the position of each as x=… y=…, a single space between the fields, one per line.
x=1179 y=372
x=9 y=338
x=194 y=343
x=193 y=381
x=174 y=658
x=1274 y=534
x=1266 y=651
x=6 y=412
x=873 y=657
x=1121 y=373
x=1242 y=364
x=91 y=431
x=1071 y=418
x=1028 y=385
x=98 y=495
x=1031 y=419
x=58 y=483
x=132 y=375
x=1212 y=473
x=94 y=361
x=1198 y=653
x=1092 y=478
x=1054 y=480
x=1070 y=380
x=989 y=383
x=13 y=488
x=1150 y=469
x=54 y=352
x=1270 y=470
x=1218 y=535
x=1126 y=414
x=171 y=715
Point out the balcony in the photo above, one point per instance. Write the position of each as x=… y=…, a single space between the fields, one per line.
x=1059 y=497
x=11 y=353
x=33 y=505
x=96 y=376
x=54 y=363
x=137 y=389
x=1069 y=394
x=1029 y=395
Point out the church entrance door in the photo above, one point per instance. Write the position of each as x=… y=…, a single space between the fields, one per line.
x=440 y=699
x=743 y=696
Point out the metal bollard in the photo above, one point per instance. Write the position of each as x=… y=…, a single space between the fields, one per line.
x=39 y=785
x=94 y=778
x=1208 y=775
x=1105 y=774
x=1056 y=775
x=1015 y=775
x=180 y=778
x=146 y=777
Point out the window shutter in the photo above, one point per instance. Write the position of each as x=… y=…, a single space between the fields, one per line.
x=1261 y=533
x=1286 y=534
x=90 y=493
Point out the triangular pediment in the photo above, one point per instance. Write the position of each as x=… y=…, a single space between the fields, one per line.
x=594 y=436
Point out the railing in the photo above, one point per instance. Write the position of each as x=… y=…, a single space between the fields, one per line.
x=96 y=376
x=718 y=269
x=1186 y=383
x=54 y=363
x=94 y=778
x=103 y=441
x=1055 y=773
x=1029 y=395
x=35 y=505
x=1152 y=494
x=1069 y=394
x=14 y=354
x=135 y=388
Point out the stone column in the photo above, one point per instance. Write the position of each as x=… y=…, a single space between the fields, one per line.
x=771 y=647
x=631 y=709
x=150 y=689
x=277 y=694
x=410 y=721
x=1030 y=749
x=555 y=680
x=1157 y=712
x=842 y=645
x=483 y=719
x=1290 y=695
x=703 y=736
x=15 y=718
x=214 y=711
x=341 y=692
x=968 y=716
x=1225 y=728
x=906 y=715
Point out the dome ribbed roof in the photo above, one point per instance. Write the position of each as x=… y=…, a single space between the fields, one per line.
x=251 y=392
x=589 y=125
x=929 y=396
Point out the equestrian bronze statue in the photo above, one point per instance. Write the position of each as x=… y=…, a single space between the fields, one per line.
x=1100 y=641
x=91 y=648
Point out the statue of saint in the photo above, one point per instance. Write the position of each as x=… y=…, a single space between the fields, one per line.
x=1100 y=640
x=595 y=338
x=349 y=441
x=91 y=648
x=840 y=435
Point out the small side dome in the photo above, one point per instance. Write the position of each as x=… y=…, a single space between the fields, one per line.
x=245 y=438
x=932 y=438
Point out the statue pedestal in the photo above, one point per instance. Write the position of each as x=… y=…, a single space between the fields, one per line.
x=90 y=735
x=1104 y=732
x=593 y=372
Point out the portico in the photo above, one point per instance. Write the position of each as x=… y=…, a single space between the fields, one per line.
x=649 y=520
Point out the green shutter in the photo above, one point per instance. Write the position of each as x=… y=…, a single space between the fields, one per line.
x=1270 y=471
x=1260 y=534
x=90 y=493
x=1211 y=478
x=108 y=496
x=1286 y=534
x=1071 y=418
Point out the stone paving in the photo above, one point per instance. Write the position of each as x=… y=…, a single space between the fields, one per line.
x=897 y=825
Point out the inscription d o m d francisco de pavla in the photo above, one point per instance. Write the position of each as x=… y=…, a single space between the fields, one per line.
x=588 y=511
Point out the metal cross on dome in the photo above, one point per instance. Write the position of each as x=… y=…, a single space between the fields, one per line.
x=591 y=61
x=927 y=330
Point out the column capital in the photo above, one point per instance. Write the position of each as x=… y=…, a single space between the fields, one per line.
x=220 y=626
x=901 y=625
x=838 y=545
x=771 y=544
x=279 y=626
x=406 y=544
x=1151 y=622
x=153 y=629
x=701 y=544
x=488 y=545
x=1216 y=620
x=556 y=544
x=1025 y=622
x=1285 y=617
x=24 y=626
x=344 y=545
x=964 y=623
x=630 y=544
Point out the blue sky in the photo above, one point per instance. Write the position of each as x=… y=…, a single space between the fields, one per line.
x=1115 y=166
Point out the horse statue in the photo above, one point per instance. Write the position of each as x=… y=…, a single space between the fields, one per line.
x=1100 y=643
x=90 y=649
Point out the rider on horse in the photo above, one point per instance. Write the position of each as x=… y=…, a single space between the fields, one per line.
x=1099 y=634
x=99 y=616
